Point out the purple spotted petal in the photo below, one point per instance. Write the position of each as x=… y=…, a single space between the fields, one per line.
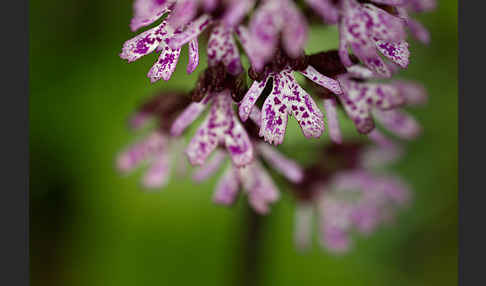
x=250 y=48
x=287 y=96
x=287 y=167
x=383 y=26
x=306 y=112
x=222 y=48
x=187 y=117
x=157 y=175
x=326 y=9
x=191 y=31
x=303 y=225
x=210 y=168
x=353 y=28
x=396 y=52
x=154 y=145
x=368 y=55
x=193 y=56
x=202 y=144
x=294 y=35
x=275 y=111
x=165 y=66
x=236 y=11
x=221 y=127
x=361 y=26
x=413 y=92
x=259 y=187
x=330 y=107
x=265 y=26
x=227 y=188
x=184 y=11
x=238 y=143
x=148 y=11
x=322 y=80
x=398 y=122
x=418 y=31
x=355 y=32
x=144 y=43
x=246 y=105
x=359 y=98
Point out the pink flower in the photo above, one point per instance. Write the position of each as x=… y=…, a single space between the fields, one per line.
x=347 y=197
x=366 y=28
x=286 y=98
x=364 y=100
x=269 y=21
x=164 y=38
x=220 y=128
x=253 y=178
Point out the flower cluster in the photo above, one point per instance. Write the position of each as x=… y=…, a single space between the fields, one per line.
x=345 y=194
x=243 y=120
x=364 y=26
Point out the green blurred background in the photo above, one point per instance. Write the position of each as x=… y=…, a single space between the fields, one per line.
x=91 y=226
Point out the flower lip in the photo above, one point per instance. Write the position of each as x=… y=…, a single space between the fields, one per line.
x=221 y=127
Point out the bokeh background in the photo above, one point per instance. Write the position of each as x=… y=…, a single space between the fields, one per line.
x=91 y=226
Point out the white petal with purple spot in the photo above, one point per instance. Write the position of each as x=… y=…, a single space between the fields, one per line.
x=165 y=66
x=221 y=127
x=222 y=48
x=396 y=52
x=322 y=80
